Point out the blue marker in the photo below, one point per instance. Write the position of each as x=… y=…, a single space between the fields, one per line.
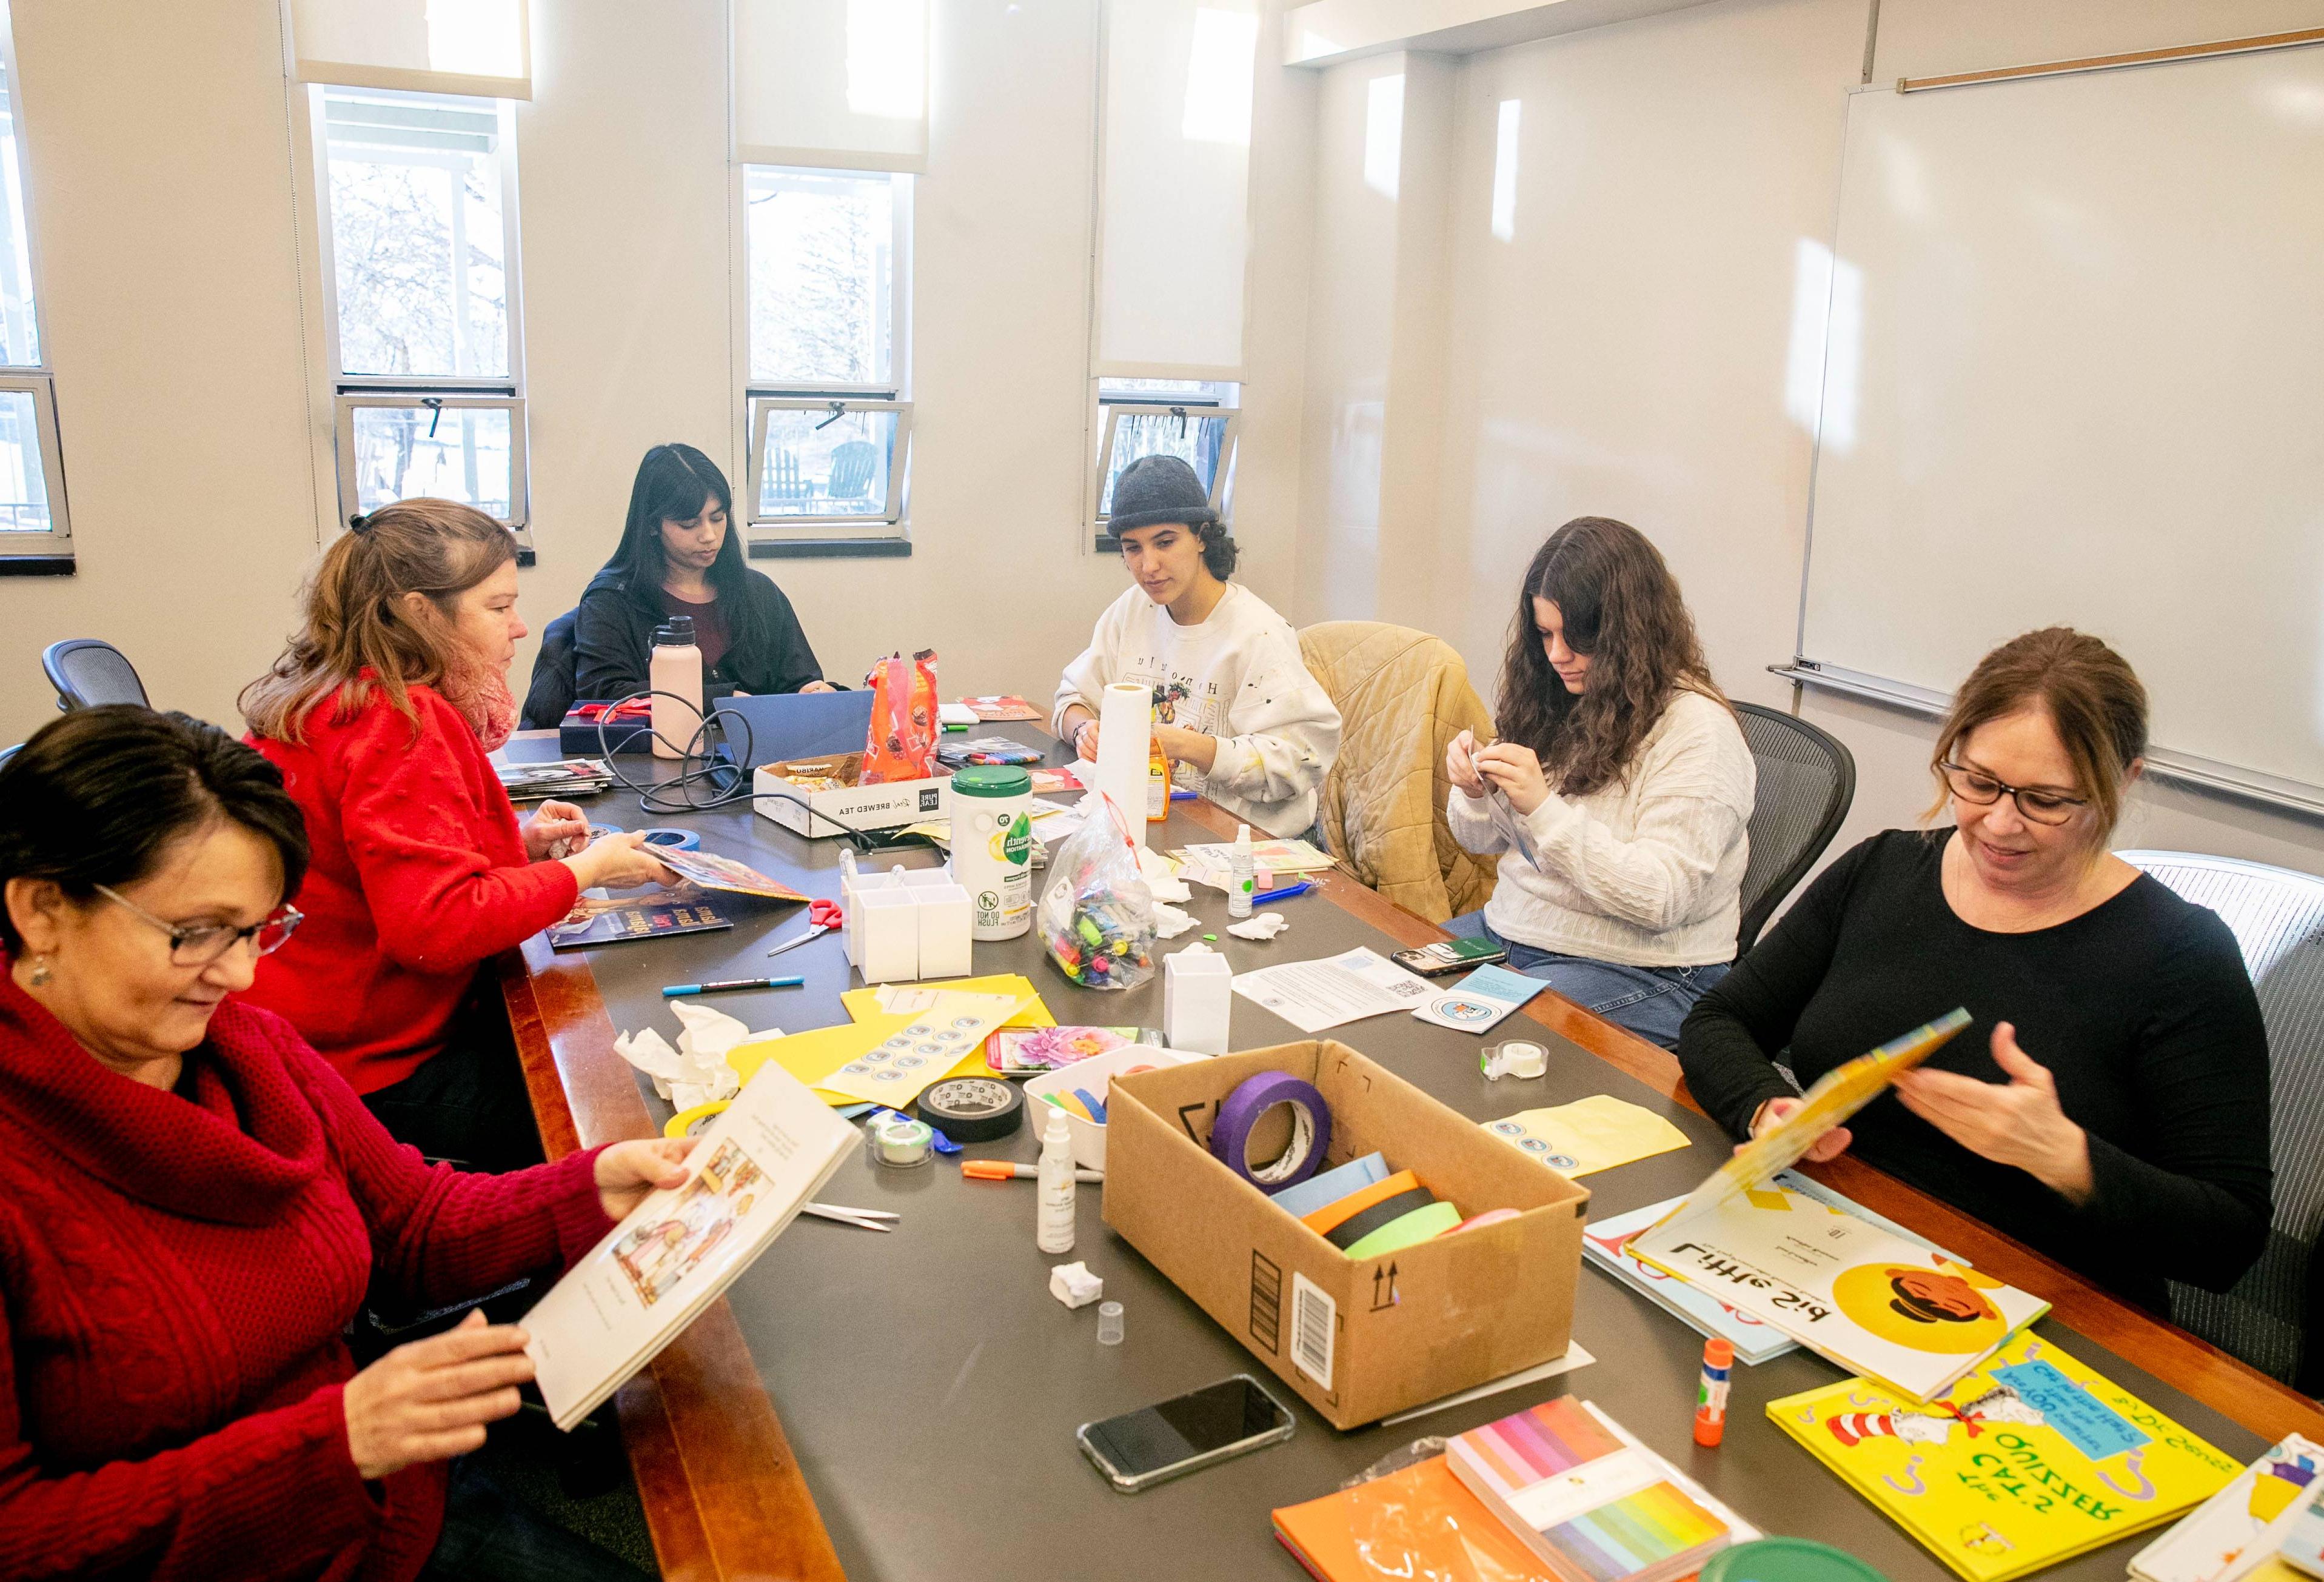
x=681 y=990
x=1282 y=893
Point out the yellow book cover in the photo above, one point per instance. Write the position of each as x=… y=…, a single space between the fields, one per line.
x=2030 y=1460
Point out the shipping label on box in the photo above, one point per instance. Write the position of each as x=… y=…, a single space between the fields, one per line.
x=1357 y=1338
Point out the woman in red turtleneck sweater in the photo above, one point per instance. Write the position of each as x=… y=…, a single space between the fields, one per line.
x=380 y=714
x=192 y=1203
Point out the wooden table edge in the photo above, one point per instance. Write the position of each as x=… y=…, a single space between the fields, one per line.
x=723 y=1493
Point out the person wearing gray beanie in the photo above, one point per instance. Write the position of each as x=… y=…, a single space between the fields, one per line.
x=1235 y=709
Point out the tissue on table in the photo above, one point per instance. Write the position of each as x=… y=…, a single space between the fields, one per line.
x=1170 y=922
x=1161 y=877
x=1265 y=926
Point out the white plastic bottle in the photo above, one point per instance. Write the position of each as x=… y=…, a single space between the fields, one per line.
x=675 y=674
x=1054 y=1229
x=1240 y=875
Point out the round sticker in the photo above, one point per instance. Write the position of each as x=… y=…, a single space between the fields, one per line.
x=1465 y=1012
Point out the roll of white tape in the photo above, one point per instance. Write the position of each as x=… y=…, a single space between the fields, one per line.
x=1515 y=1058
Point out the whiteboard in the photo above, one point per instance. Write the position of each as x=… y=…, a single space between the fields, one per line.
x=2074 y=374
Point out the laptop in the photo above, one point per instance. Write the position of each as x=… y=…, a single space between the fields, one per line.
x=786 y=726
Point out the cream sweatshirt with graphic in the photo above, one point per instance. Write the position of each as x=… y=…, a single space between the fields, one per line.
x=1236 y=676
x=1647 y=871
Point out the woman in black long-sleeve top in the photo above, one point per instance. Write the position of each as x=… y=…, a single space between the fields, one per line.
x=2109 y=1105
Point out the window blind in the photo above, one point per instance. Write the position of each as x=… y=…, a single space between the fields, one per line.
x=831 y=84
x=480 y=48
x=1174 y=224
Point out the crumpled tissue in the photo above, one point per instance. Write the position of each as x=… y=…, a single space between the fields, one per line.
x=1075 y=1285
x=1170 y=922
x=1265 y=926
x=1162 y=877
x=696 y=1071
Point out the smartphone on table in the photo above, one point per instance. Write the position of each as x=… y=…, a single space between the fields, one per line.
x=1450 y=955
x=1139 y=1449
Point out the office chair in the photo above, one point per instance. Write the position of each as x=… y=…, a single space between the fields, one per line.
x=86 y=671
x=550 y=697
x=2269 y=1317
x=9 y=751
x=1806 y=781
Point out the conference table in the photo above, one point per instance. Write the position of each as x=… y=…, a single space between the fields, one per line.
x=902 y=1407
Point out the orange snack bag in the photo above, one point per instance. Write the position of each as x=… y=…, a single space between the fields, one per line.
x=901 y=744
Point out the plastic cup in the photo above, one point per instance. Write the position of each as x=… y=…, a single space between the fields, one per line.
x=1108 y=1323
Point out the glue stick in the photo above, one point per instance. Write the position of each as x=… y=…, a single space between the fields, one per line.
x=1240 y=876
x=1711 y=1400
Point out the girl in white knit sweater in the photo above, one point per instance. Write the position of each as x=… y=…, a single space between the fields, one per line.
x=1617 y=793
x=1241 y=717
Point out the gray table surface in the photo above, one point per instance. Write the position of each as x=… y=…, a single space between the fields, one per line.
x=931 y=1387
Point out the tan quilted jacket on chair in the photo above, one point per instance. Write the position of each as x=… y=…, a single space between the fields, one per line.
x=1403 y=696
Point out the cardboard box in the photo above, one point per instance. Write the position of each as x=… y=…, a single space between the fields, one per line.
x=1357 y=1340
x=856 y=808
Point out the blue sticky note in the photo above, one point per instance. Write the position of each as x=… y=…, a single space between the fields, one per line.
x=2092 y=1427
x=1333 y=1185
x=1500 y=983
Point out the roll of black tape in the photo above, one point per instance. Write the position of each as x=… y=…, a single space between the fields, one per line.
x=1387 y=1211
x=973 y=1109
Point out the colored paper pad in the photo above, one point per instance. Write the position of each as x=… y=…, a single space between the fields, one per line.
x=1589 y=1134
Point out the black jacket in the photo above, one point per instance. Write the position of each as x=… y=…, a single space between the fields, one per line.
x=613 y=643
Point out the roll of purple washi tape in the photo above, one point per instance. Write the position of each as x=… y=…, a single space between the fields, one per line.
x=1311 y=1130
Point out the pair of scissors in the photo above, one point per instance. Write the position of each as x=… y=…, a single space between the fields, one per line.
x=861 y=1218
x=824 y=915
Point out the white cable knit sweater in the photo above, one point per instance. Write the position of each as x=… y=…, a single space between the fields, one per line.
x=1647 y=871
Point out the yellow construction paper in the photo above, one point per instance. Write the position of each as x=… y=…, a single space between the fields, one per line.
x=862 y=1003
x=813 y=1056
x=895 y=1070
x=1589 y=1134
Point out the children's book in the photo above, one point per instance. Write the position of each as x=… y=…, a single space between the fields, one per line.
x=2236 y=1533
x=633 y=1292
x=2030 y=1460
x=602 y=918
x=2303 y=1546
x=1605 y=1243
x=998 y=707
x=1590 y=1502
x=1871 y=1300
x=714 y=872
x=1017 y=1049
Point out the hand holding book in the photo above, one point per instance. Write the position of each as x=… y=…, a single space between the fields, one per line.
x=2018 y=1123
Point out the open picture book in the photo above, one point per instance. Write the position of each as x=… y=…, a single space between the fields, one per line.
x=750 y=1171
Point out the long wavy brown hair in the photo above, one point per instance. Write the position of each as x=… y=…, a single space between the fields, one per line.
x=355 y=617
x=1621 y=606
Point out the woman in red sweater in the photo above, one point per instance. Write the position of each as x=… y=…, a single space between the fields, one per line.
x=380 y=714
x=191 y=1205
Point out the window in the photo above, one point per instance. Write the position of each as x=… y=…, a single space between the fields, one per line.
x=1193 y=420
x=418 y=204
x=35 y=531
x=826 y=266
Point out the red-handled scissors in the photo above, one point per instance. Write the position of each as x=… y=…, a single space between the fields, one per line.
x=823 y=916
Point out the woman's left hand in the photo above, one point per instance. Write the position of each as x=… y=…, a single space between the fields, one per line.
x=1188 y=746
x=628 y=1171
x=1515 y=772
x=548 y=830
x=2018 y=1123
x=818 y=687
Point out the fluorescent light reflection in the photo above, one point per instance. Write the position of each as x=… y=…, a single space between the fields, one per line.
x=1220 y=62
x=1823 y=369
x=888 y=58
x=1383 y=132
x=1505 y=172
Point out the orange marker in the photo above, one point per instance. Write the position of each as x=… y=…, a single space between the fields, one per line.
x=1711 y=1400
x=1002 y=1170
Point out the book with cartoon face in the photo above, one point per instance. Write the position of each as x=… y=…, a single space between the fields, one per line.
x=2030 y=1458
x=2237 y=1535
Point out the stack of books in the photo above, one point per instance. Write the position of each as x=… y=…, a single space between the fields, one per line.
x=566 y=778
x=2248 y=1530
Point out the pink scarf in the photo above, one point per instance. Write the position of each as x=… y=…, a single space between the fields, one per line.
x=486 y=700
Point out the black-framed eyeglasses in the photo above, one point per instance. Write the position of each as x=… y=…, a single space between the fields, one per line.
x=2043 y=807
x=198 y=944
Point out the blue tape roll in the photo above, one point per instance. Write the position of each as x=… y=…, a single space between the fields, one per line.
x=684 y=839
x=1311 y=1129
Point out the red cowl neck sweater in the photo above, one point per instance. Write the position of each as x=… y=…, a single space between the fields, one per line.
x=418 y=874
x=174 y=1276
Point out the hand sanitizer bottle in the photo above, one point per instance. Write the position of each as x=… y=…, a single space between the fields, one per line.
x=1054 y=1229
x=1240 y=875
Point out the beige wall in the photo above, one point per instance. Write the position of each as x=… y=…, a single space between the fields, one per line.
x=196 y=422
x=1624 y=352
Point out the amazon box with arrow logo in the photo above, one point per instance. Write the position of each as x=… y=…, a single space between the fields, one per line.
x=1359 y=1333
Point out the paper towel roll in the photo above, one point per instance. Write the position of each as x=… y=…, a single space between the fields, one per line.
x=1124 y=731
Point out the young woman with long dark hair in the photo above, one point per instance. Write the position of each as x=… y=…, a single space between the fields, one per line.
x=1617 y=792
x=680 y=555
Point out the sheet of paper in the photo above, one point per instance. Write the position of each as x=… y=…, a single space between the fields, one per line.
x=1313 y=995
x=945 y=1037
x=813 y=1055
x=1481 y=1001
x=1274 y=856
x=1589 y=1134
x=1575 y=1357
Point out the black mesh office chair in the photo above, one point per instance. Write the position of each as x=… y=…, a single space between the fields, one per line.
x=86 y=672
x=9 y=751
x=2269 y=1318
x=1806 y=781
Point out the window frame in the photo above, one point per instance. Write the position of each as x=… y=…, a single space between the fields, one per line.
x=24 y=552
x=1112 y=408
x=414 y=392
x=770 y=533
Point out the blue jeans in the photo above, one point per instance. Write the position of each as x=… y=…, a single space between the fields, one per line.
x=488 y=1537
x=1650 y=1001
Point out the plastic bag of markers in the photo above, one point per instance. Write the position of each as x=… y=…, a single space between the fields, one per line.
x=901 y=744
x=1097 y=915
